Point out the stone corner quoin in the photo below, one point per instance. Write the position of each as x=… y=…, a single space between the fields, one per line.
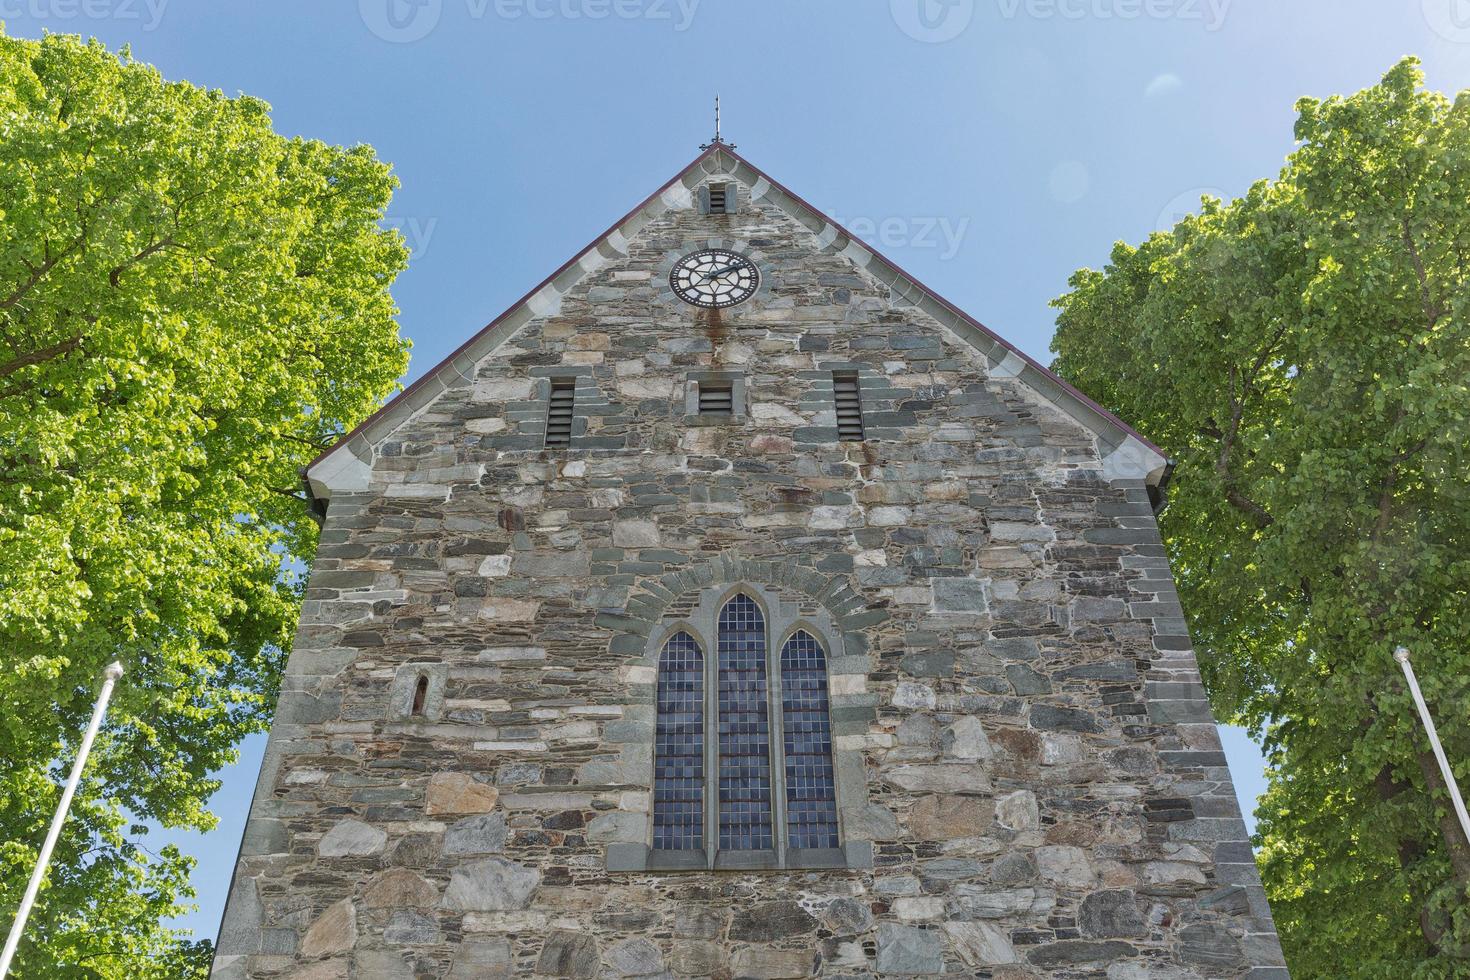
x=1025 y=777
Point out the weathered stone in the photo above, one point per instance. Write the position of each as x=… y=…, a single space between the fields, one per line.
x=949 y=817
x=762 y=963
x=847 y=917
x=698 y=923
x=1072 y=951
x=334 y=931
x=874 y=822
x=320 y=970
x=908 y=695
x=1065 y=866
x=352 y=838
x=774 y=920
x=633 y=958
x=1013 y=869
x=399 y=888
x=636 y=534
x=1133 y=970
x=381 y=965
x=1025 y=681
x=479 y=958
x=980 y=943
x=942 y=778
x=907 y=951
x=988 y=902
x=1172 y=873
x=484 y=834
x=698 y=958
x=410 y=928
x=1018 y=811
x=1111 y=915
x=569 y=954
x=490 y=885
x=961 y=595
x=616 y=827
x=240 y=931
x=1208 y=945
x=966 y=739
x=457 y=792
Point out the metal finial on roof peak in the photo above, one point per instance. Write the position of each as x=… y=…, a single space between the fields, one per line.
x=718 y=140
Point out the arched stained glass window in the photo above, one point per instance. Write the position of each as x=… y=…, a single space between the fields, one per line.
x=678 y=754
x=745 y=734
x=811 y=796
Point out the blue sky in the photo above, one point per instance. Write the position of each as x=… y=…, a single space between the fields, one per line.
x=990 y=147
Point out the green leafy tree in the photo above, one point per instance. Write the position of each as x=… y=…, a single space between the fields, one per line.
x=1304 y=354
x=191 y=308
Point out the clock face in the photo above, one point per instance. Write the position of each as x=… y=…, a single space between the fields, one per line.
x=715 y=278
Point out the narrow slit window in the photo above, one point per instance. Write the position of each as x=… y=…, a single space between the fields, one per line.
x=678 y=753
x=420 y=697
x=811 y=795
x=559 y=413
x=847 y=394
x=716 y=398
x=719 y=198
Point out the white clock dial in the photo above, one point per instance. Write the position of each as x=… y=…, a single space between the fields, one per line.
x=715 y=278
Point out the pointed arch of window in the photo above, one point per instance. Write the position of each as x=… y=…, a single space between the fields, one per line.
x=744 y=775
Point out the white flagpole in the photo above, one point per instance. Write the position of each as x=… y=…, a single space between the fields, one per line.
x=1402 y=656
x=109 y=680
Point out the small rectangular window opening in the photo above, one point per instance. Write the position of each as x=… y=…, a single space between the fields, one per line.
x=719 y=197
x=559 y=413
x=846 y=393
x=716 y=398
x=420 y=696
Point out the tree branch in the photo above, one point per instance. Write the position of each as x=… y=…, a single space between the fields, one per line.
x=115 y=276
x=60 y=349
x=1432 y=311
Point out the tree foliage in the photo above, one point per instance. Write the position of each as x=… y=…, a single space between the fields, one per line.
x=191 y=308
x=1303 y=352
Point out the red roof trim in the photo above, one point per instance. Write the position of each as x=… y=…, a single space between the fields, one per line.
x=711 y=151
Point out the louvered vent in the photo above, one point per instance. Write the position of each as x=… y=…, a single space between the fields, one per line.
x=849 y=407
x=560 y=412
x=716 y=398
x=719 y=196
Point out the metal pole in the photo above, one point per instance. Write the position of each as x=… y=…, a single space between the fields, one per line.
x=109 y=680
x=1402 y=656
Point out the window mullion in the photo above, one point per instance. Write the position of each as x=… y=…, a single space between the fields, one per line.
x=712 y=749
x=777 y=726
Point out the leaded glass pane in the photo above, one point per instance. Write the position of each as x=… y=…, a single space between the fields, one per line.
x=678 y=755
x=811 y=795
x=745 y=735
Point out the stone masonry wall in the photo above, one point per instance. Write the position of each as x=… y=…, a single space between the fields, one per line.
x=1036 y=786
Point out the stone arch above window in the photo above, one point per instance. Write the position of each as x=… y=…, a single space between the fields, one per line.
x=784 y=714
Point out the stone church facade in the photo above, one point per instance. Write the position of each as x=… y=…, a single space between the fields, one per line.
x=733 y=606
